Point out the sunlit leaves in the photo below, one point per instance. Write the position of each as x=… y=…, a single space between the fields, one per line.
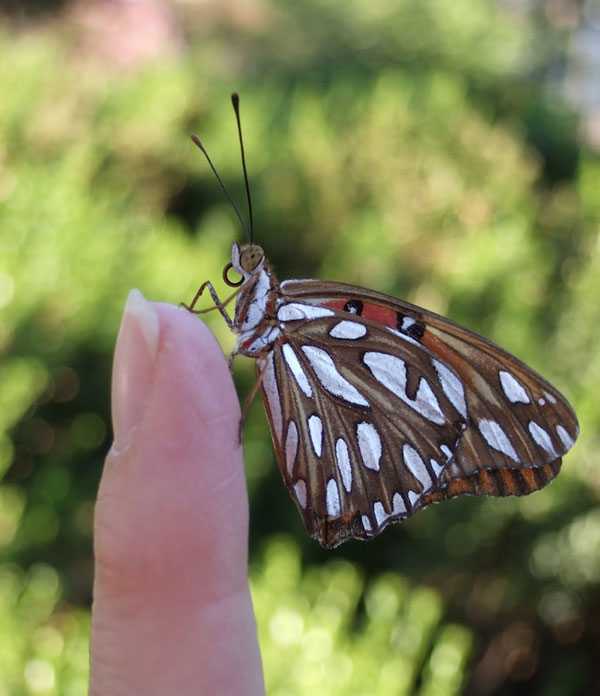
x=326 y=630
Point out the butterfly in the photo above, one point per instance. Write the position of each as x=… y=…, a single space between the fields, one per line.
x=378 y=408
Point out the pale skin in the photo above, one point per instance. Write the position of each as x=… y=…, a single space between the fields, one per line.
x=172 y=612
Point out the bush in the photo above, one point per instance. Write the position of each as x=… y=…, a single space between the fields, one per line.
x=397 y=146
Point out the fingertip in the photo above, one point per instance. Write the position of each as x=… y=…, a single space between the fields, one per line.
x=172 y=609
x=133 y=368
x=180 y=476
x=196 y=368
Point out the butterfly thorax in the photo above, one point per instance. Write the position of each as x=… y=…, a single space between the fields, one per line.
x=255 y=309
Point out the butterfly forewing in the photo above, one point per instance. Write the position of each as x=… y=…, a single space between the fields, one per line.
x=378 y=408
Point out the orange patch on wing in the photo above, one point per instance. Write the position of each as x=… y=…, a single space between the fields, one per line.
x=508 y=479
x=486 y=483
x=530 y=479
x=443 y=350
x=380 y=315
x=459 y=487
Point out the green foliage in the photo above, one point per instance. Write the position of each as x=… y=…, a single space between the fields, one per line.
x=326 y=631
x=394 y=145
x=43 y=646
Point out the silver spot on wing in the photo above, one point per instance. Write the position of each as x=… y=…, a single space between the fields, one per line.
x=512 y=388
x=315 y=430
x=390 y=372
x=369 y=444
x=541 y=437
x=332 y=499
x=398 y=508
x=291 y=447
x=413 y=497
x=436 y=466
x=300 y=491
x=269 y=385
x=452 y=387
x=350 y=330
x=398 y=505
x=564 y=436
x=366 y=522
x=379 y=512
x=295 y=311
x=329 y=377
x=496 y=438
x=447 y=452
x=295 y=367
x=415 y=464
x=342 y=458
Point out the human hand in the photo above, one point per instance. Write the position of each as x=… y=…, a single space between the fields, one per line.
x=172 y=612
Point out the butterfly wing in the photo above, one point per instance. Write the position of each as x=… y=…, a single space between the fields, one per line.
x=378 y=408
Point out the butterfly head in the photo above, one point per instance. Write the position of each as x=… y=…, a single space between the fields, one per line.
x=246 y=260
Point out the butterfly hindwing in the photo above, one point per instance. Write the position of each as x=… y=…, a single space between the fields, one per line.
x=378 y=408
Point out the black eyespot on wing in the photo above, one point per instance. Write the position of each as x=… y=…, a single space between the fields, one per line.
x=354 y=307
x=411 y=327
x=416 y=331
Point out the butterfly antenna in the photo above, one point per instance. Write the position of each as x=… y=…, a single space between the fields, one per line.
x=235 y=100
x=196 y=140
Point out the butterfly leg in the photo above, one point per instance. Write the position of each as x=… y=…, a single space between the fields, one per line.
x=215 y=298
x=230 y=360
x=250 y=397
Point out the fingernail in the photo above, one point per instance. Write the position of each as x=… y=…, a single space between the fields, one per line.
x=133 y=367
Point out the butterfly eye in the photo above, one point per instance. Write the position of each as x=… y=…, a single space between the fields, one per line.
x=227 y=279
x=250 y=257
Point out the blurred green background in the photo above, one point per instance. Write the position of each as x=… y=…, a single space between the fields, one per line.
x=443 y=151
